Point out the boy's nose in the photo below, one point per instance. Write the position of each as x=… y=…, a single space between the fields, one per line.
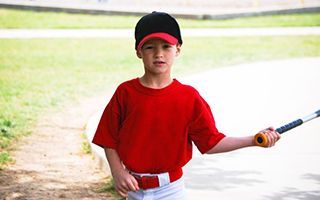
x=158 y=52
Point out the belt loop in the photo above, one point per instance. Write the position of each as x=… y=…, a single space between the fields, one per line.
x=164 y=179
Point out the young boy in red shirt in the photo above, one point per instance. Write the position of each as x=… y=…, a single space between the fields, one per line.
x=149 y=125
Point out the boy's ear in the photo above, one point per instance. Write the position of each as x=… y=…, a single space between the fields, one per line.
x=178 y=49
x=138 y=54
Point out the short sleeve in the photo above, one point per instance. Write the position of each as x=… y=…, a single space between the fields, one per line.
x=107 y=131
x=202 y=130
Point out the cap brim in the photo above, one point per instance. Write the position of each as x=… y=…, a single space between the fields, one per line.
x=164 y=36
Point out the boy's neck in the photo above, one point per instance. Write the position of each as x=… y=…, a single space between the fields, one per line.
x=156 y=82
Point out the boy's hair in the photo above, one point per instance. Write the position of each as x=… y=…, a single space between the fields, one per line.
x=157 y=25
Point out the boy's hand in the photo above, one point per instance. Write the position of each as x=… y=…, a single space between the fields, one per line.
x=268 y=136
x=124 y=182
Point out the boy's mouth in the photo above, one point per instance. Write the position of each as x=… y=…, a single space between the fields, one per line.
x=159 y=62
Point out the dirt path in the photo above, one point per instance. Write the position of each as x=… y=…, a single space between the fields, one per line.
x=50 y=163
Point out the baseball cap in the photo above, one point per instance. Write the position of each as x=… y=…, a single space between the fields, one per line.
x=157 y=25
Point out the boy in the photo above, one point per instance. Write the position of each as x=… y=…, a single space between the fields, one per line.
x=148 y=127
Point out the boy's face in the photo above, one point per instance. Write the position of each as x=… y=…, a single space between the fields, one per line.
x=158 y=56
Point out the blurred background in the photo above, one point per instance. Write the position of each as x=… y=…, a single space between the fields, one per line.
x=177 y=6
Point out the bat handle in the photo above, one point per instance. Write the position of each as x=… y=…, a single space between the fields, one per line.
x=260 y=139
x=289 y=126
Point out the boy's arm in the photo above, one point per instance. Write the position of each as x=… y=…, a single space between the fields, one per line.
x=233 y=143
x=124 y=181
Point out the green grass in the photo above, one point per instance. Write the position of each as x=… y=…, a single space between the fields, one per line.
x=40 y=74
x=200 y=54
x=85 y=145
x=36 y=75
x=110 y=188
x=10 y=18
x=4 y=159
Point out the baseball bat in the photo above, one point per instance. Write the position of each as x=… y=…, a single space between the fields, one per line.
x=261 y=139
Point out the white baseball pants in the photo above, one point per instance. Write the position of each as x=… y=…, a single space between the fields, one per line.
x=170 y=191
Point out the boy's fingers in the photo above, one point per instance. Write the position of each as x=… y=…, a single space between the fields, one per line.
x=270 y=139
x=131 y=185
x=122 y=193
x=125 y=186
x=270 y=128
x=135 y=184
x=128 y=185
x=123 y=190
x=275 y=134
x=273 y=137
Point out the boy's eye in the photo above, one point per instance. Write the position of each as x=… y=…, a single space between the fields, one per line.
x=166 y=46
x=148 y=47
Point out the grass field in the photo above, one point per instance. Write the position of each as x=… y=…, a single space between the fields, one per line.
x=41 y=74
x=27 y=19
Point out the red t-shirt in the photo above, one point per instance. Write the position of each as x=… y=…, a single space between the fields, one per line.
x=153 y=129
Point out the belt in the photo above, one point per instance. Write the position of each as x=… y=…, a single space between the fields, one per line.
x=153 y=180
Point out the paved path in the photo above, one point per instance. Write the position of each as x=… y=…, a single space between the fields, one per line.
x=128 y=33
x=245 y=99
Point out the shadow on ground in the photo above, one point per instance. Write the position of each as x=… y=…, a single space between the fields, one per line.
x=211 y=178
x=294 y=193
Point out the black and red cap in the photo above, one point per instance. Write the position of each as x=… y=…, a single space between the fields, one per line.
x=157 y=25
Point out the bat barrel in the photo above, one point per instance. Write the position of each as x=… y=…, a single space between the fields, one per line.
x=312 y=116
